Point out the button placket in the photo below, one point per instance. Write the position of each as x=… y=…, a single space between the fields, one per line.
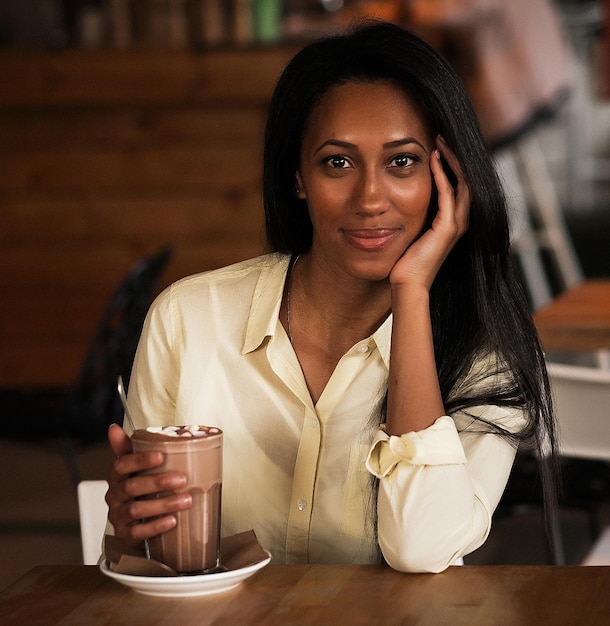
x=299 y=518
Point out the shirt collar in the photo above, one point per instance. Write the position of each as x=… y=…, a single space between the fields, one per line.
x=266 y=302
x=383 y=339
x=265 y=309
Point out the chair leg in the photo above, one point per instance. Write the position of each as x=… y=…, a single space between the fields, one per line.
x=523 y=237
x=595 y=524
x=545 y=204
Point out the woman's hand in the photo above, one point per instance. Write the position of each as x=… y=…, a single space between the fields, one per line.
x=422 y=259
x=126 y=510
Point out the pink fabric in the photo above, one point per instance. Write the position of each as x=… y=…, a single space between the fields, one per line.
x=513 y=56
x=606 y=48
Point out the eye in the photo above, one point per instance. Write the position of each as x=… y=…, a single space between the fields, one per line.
x=402 y=160
x=337 y=162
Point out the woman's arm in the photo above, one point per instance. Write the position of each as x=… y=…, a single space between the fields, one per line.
x=133 y=516
x=414 y=397
x=436 y=496
x=438 y=489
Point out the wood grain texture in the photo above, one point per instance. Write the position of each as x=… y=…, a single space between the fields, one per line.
x=146 y=76
x=324 y=594
x=578 y=319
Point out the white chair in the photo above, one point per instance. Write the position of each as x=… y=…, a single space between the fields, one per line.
x=600 y=552
x=537 y=222
x=582 y=405
x=93 y=513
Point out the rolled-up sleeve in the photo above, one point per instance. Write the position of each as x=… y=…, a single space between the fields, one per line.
x=437 y=445
x=439 y=487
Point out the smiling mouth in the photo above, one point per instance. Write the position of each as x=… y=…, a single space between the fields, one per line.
x=370 y=238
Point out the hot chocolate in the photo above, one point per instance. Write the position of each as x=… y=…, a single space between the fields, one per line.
x=193 y=545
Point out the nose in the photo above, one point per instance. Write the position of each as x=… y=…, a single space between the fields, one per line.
x=370 y=197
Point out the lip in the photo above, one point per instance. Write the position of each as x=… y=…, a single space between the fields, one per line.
x=370 y=238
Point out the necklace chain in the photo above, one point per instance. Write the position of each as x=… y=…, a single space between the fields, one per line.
x=288 y=297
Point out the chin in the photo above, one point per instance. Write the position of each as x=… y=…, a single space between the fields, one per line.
x=373 y=270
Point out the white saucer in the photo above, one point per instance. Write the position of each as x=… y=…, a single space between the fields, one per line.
x=186 y=586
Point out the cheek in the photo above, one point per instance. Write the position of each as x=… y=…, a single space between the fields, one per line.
x=414 y=200
x=323 y=202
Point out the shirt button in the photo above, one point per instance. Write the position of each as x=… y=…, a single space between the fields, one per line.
x=301 y=504
x=363 y=348
x=313 y=422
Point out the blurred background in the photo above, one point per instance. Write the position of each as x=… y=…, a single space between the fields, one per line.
x=130 y=156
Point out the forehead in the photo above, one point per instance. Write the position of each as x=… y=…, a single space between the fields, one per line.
x=362 y=104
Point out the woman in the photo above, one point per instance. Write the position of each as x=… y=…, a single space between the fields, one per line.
x=373 y=374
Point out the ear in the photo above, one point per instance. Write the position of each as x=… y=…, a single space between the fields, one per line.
x=298 y=187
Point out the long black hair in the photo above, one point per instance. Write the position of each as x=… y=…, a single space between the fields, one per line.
x=477 y=303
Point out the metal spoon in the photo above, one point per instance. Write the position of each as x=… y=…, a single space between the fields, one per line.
x=123 y=397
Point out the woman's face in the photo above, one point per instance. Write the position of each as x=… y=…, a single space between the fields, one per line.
x=364 y=172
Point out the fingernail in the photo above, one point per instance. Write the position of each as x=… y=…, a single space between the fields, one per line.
x=437 y=153
x=441 y=139
x=167 y=523
x=185 y=500
x=173 y=482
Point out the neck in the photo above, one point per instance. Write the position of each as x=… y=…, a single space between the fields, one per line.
x=328 y=307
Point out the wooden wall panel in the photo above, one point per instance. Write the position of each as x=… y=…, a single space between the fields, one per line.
x=133 y=215
x=104 y=158
x=145 y=77
x=133 y=127
x=219 y=166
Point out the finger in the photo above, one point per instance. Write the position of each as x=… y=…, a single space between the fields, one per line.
x=134 y=534
x=446 y=213
x=148 y=485
x=461 y=193
x=133 y=463
x=142 y=519
x=123 y=511
x=126 y=462
x=119 y=440
x=450 y=157
x=146 y=509
x=441 y=181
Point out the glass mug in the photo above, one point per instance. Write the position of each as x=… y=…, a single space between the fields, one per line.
x=193 y=545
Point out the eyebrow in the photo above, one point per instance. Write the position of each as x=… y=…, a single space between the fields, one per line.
x=390 y=144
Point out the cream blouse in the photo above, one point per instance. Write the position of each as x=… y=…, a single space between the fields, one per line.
x=213 y=352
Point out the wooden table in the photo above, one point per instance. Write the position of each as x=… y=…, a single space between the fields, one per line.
x=323 y=594
x=578 y=319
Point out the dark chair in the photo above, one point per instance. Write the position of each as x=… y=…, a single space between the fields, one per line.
x=95 y=404
x=83 y=414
